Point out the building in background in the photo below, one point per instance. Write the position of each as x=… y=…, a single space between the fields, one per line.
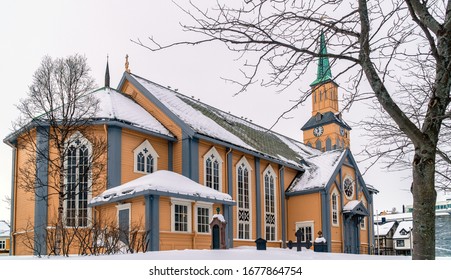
x=402 y=239
x=4 y=238
x=383 y=236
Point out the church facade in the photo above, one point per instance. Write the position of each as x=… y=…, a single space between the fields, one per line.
x=173 y=162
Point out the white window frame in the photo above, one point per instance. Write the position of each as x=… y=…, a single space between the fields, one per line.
x=305 y=224
x=125 y=206
x=243 y=162
x=2 y=244
x=186 y=203
x=208 y=206
x=83 y=141
x=151 y=151
x=336 y=210
x=270 y=171
x=213 y=152
x=403 y=243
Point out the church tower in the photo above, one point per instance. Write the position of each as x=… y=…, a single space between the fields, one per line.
x=325 y=130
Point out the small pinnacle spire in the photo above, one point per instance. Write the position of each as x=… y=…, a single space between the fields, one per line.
x=126 y=64
x=323 y=74
x=107 y=74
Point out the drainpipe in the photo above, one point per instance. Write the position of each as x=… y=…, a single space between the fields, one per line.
x=282 y=205
x=13 y=203
x=229 y=184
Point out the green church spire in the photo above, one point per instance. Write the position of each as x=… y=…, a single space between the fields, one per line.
x=323 y=74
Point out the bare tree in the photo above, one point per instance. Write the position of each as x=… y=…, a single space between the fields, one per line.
x=374 y=42
x=7 y=200
x=64 y=154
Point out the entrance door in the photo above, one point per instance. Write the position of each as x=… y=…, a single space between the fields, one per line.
x=352 y=237
x=216 y=237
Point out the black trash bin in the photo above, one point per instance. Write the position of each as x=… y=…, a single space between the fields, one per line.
x=261 y=244
x=320 y=247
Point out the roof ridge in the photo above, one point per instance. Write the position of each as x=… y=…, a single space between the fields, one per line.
x=179 y=94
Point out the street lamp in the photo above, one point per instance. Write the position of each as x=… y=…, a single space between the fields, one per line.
x=377 y=226
x=410 y=240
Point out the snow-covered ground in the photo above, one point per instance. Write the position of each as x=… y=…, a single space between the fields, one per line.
x=240 y=253
x=238 y=260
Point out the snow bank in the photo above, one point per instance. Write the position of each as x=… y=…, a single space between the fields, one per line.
x=162 y=181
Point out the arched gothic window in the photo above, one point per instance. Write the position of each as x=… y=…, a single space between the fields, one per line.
x=77 y=181
x=270 y=203
x=213 y=169
x=145 y=158
x=244 y=199
x=334 y=208
x=318 y=145
x=328 y=144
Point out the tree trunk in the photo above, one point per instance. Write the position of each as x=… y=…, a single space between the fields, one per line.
x=424 y=198
x=60 y=215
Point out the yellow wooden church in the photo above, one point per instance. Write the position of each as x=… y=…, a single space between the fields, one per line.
x=173 y=162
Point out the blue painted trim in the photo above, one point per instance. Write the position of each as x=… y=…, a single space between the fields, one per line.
x=282 y=205
x=326 y=224
x=309 y=191
x=155 y=223
x=336 y=171
x=13 y=179
x=186 y=151
x=329 y=223
x=114 y=161
x=161 y=193
x=11 y=138
x=185 y=128
x=342 y=217
x=258 y=204
x=190 y=157
x=152 y=212
x=249 y=152
x=147 y=219
x=230 y=192
x=194 y=159
x=41 y=191
x=170 y=156
x=227 y=216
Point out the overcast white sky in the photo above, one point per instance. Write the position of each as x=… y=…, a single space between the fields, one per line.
x=33 y=29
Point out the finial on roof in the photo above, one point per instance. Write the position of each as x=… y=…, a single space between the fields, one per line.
x=323 y=74
x=107 y=74
x=126 y=64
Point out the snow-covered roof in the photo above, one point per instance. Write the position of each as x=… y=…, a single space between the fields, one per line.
x=393 y=217
x=219 y=216
x=318 y=171
x=383 y=229
x=164 y=183
x=4 y=229
x=403 y=230
x=214 y=123
x=351 y=205
x=114 y=105
x=372 y=188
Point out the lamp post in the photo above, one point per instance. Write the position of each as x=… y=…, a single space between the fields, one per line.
x=410 y=240
x=377 y=227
